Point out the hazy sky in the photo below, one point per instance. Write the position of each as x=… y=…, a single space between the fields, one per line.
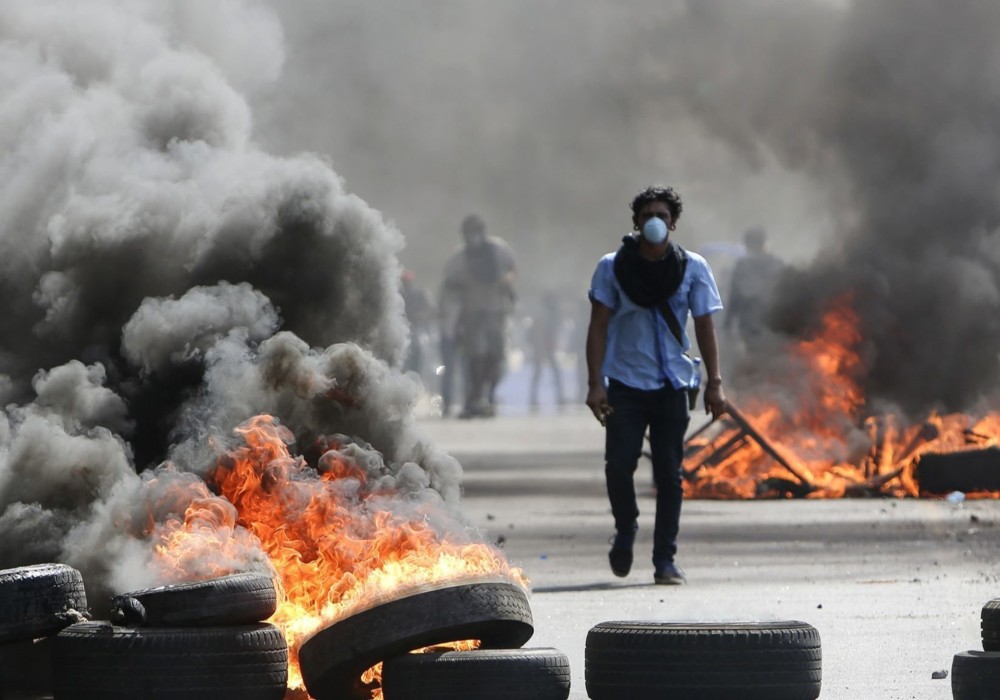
x=546 y=118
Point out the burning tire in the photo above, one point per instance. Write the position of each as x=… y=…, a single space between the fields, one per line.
x=98 y=661
x=240 y=599
x=500 y=674
x=26 y=668
x=36 y=601
x=975 y=675
x=991 y=625
x=703 y=661
x=332 y=661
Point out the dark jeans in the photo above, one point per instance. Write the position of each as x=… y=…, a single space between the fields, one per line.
x=665 y=413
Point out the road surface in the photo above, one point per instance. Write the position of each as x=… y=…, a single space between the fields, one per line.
x=895 y=587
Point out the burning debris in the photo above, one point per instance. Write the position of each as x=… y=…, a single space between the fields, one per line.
x=818 y=440
x=166 y=282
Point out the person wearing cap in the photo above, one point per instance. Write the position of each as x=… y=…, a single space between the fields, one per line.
x=640 y=375
x=478 y=296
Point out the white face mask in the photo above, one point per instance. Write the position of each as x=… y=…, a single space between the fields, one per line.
x=655 y=230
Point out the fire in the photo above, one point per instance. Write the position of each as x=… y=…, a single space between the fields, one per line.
x=820 y=444
x=337 y=540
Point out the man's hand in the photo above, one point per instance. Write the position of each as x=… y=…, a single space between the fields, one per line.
x=597 y=400
x=715 y=400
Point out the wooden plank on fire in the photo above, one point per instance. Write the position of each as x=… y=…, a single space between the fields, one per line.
x=713 y=457
x=765 y=444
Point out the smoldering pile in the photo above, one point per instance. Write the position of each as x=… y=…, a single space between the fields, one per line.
x=165 y=280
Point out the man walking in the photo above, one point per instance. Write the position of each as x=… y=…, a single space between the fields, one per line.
x=479 y=288
x=639 y=373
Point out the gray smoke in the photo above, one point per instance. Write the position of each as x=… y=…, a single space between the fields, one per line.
x=165 y=279
x=893 y=108
x=859 y=134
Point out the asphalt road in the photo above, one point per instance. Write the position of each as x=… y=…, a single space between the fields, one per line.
x=895 y=587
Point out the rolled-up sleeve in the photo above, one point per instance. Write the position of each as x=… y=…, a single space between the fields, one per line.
x=602 y=285
x=703 y=297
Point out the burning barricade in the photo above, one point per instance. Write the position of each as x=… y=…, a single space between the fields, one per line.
x=816 y=441
x=174 y=283
x=353 y=579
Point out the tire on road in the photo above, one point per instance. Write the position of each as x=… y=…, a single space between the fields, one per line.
x=332 y=660
x=975 y=675
x=37 y=601
x=239 y=599
x=991 y=625
x=484 y=674
x=98 y=661
x=703 y=661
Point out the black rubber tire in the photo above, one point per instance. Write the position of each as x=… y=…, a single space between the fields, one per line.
x=975 y=675
x=239 y=599
x=27 y=668
x=991 y=625
x=332 y=660
x=703 y=661
x=484 y=674
x=98 y=661
x=37 y=601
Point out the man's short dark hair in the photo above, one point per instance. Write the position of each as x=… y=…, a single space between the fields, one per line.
x=473 y=223
x=755 y=237
x=658 y=193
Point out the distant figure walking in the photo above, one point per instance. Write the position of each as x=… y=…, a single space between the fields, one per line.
x=478 y=298
x=544 y=336
x=419 y=313
x=755 y=276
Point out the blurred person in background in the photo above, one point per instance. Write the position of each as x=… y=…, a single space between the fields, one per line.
x=477 y=299
x=450 y=371
x=639 y=373
x=754 y=278
x=545 y=340
x=419 y=313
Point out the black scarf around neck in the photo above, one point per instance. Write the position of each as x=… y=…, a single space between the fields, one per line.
x=649 y=282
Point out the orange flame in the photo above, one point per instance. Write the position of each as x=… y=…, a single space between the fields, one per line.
x=337 y=541
x=829 y=448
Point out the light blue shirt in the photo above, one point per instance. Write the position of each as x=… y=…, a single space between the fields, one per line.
x=641 y=351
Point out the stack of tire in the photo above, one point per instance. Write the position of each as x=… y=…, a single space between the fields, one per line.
x=198 y=641
x=495 y=613
x=975 y=675
x=703 y=661
x=36 y=602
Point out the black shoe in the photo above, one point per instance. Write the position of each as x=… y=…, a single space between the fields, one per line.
x=669 y=574
x=620 y=556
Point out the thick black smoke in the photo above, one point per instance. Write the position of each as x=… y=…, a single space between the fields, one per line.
x=164 y=280
x=893 y=106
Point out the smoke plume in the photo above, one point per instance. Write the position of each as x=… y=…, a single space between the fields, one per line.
x=897 y=121
x=165 y=280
